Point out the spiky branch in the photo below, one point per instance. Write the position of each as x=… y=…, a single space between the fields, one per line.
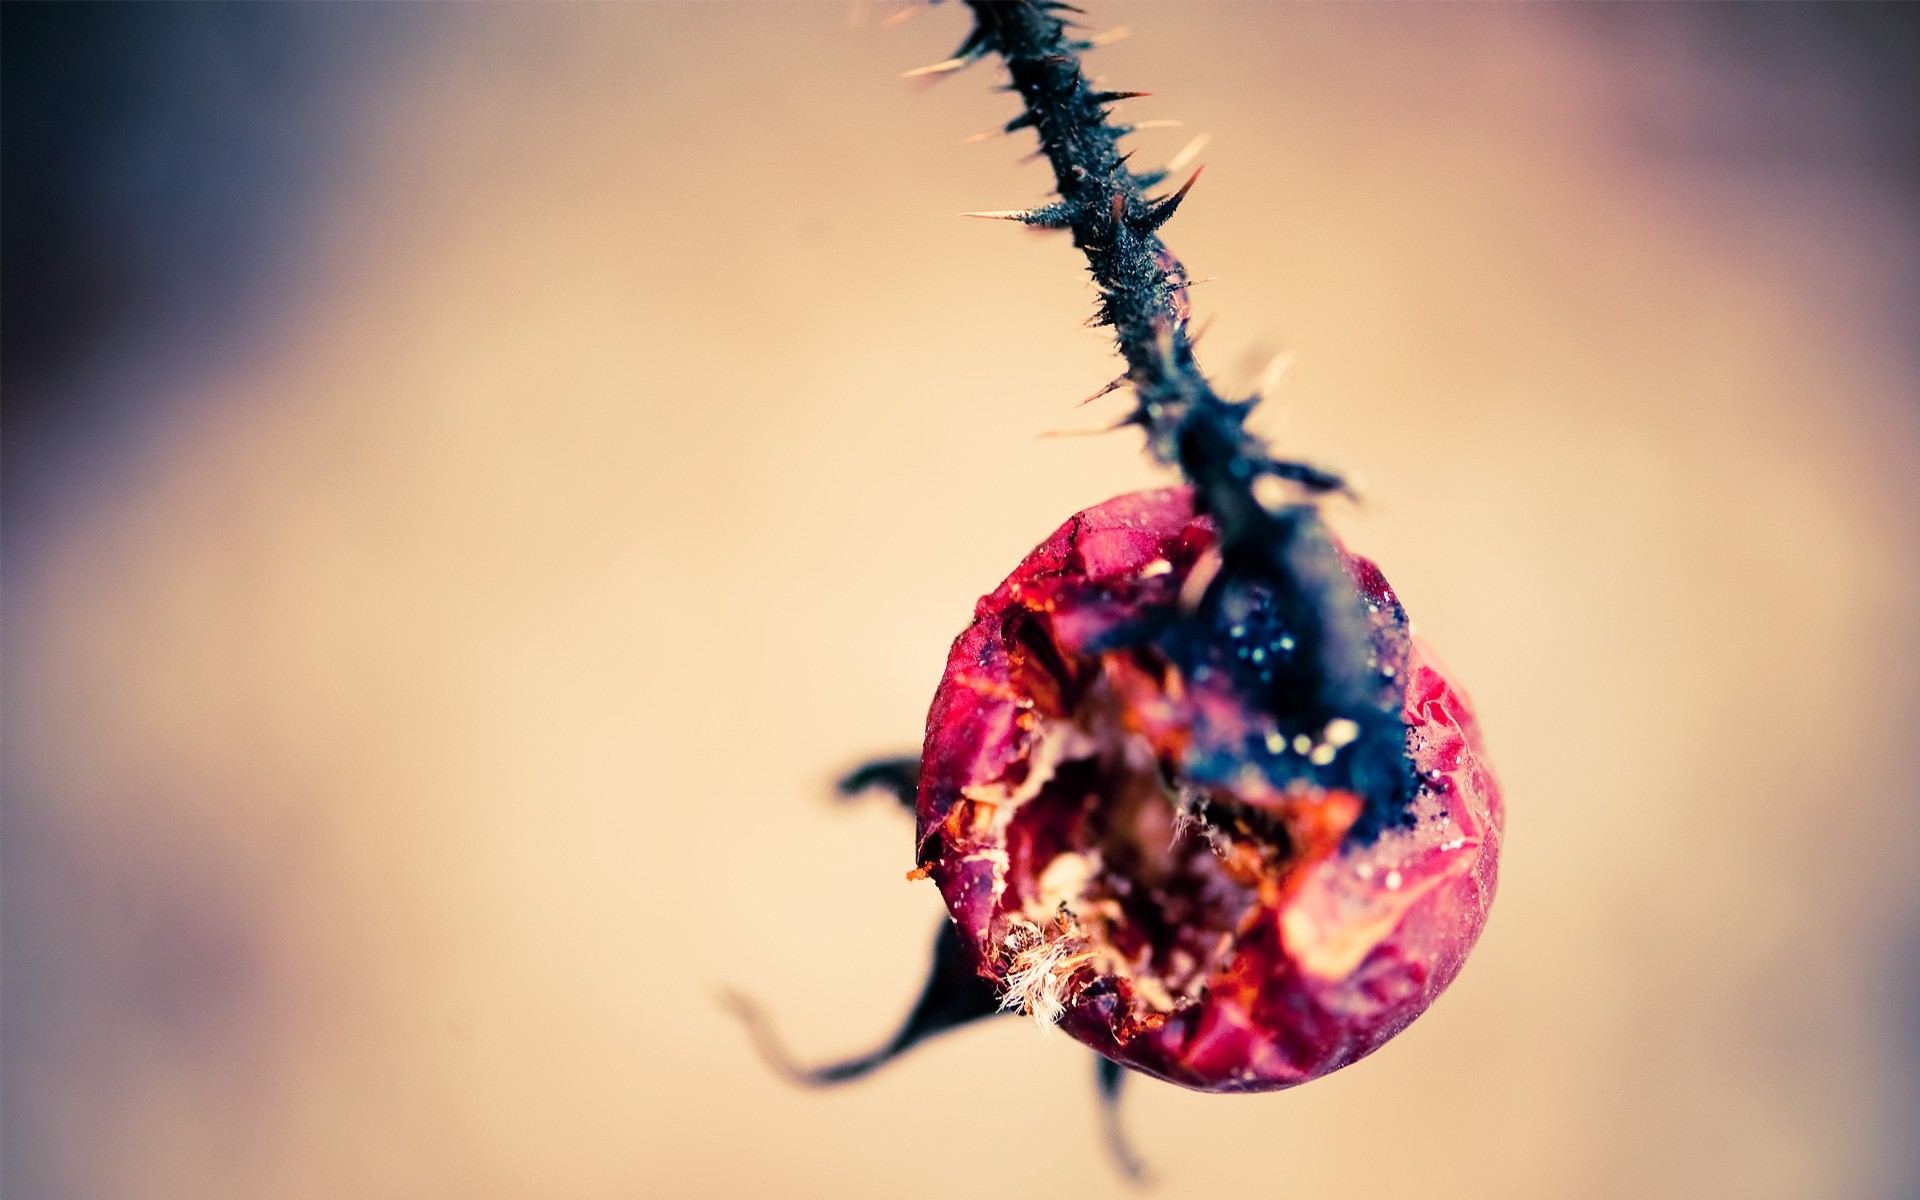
x=1143 y=293
x=1270 y=529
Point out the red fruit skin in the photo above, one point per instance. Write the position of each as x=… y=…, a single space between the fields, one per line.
x=1326 y=968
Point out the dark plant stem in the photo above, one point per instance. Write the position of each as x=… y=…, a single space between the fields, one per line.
x=1271 y=535
x=1143 y=287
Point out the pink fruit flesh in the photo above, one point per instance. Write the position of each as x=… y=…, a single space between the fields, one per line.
x=1237 y=957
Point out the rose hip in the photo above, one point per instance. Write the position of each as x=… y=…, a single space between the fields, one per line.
x=1132 y=845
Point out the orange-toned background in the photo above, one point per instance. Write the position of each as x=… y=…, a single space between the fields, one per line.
x=421 y=697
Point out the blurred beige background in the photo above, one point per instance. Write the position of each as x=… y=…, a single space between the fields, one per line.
x=429 y=700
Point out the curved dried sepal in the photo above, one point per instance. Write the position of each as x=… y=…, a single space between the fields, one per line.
x=954 y=996
x=898 y=776
x=1108 y=1078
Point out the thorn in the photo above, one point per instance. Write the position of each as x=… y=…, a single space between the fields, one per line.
x=1313 y=478
x=983 y=136
x=1119 y=33
x=1193 y=339
x=1019 y=122
x=1159 y=123
x=1113 y=97
x=976 y=43
x=1052 y=216
x=1200 y=578
x=947 y=67
x=1114 y=385
x=1274 y=373
x=1192 y=282
x=894 y=20
x=1077 y=433
x=1162 y=212
x=1188 y=152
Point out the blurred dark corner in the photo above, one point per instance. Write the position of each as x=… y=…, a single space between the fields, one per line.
x=156 y=163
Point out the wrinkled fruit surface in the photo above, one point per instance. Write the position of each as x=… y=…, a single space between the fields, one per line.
x=1225 y=938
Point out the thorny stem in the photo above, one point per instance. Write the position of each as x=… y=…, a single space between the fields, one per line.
x=1283 y=546
x=1143 y=287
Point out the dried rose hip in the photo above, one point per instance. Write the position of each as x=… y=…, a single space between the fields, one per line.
x=1191 y=787
x=1137 y=839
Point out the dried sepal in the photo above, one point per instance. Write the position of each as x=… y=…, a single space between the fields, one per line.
x=954 y=995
